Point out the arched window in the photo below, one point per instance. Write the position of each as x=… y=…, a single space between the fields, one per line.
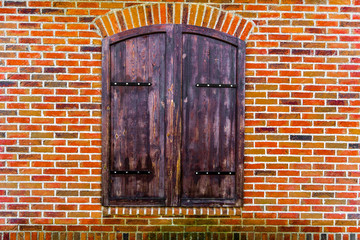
x=173 y=117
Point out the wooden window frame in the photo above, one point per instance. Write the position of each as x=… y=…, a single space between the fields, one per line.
x=173 y=108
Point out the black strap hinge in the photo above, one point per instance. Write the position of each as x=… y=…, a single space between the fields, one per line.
x=213 y=173
x=216 y=85
x=130 y=172
x=131 y=84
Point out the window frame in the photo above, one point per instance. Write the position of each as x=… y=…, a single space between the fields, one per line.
x=173 y=124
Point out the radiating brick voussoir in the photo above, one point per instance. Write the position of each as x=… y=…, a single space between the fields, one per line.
x=164 y=13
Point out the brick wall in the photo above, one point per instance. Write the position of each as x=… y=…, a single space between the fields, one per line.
x=302 y=125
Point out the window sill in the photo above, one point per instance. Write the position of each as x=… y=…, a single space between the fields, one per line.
x=172 y=211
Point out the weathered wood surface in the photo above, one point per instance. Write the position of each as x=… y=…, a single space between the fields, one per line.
x=105 y=127
x=173 y=128
x=208 y=139
x=173 y=116
x=137 y=118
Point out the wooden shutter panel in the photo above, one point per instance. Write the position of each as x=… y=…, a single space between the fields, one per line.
x=173 y=117
x=210 y=168
x=135 y=171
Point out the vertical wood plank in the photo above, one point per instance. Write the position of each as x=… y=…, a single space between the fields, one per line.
x=172 y=110
x=240 y=116
x=105 y=110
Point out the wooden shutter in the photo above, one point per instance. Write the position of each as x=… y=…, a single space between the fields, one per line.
x=134 y=100
x=211 y=120
x=163 y=129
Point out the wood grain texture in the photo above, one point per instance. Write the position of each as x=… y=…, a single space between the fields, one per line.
x=137 y=118
x=105 y=127
x=173 y=128
x=208 y=142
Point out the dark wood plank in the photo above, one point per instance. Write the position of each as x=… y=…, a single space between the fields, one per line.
x=172 y=111
x=105 y=127
x=240 y=124
x=118 y=57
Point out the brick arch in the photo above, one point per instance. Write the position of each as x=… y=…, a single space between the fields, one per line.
x=173 y=13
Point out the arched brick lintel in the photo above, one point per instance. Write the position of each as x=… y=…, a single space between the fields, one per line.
x=173 y=13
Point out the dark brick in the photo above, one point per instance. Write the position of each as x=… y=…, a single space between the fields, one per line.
x=52 y=11
x=354 y=145
x=30 y=228
x=323 y=195
x=17 y=221
x=279 y=51
x=300 y=52
x=30 y=25
x=66 y=135
x=350 y=9
x=29 y=156
x=29 y=11
x=265 y=130
x=301 y=137
x=21 y=48
x=349 y=95
x=86 y=19
x=90 y=106
x=7 y=84
x=17 y=149
x=265 y=173
x=2 y=135
x=15 y=4
x=325 y=52
x=8 y=214
x=337 y=102
x=55 y=70
x=79 y=85
x=8 y=112
x=350 y=24
x=56 y=84
x=290 y=102
x=64 y=4
x=66 y=106
x=90 y=49
x=353 y=216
